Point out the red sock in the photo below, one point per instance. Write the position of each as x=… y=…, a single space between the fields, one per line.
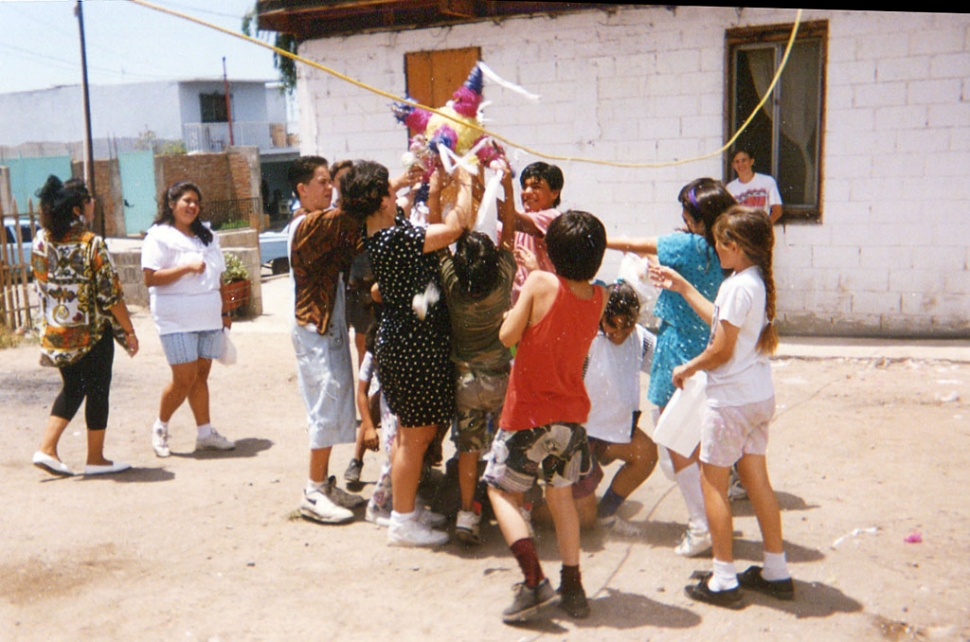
x=570 y=578
x=525 y=554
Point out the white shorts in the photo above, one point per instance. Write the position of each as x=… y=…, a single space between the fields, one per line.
x=326 y=377
x=729 y=432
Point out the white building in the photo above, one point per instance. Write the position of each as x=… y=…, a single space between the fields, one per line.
x=875 y=240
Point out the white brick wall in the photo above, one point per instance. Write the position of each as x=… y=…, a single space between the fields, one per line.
x=646 y=84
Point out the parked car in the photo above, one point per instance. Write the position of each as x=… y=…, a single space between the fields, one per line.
x=14 y=259
x=272 y=249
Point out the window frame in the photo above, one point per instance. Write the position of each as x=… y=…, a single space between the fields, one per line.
x=776 y=36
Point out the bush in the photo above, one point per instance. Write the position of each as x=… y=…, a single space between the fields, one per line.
x=235 y=270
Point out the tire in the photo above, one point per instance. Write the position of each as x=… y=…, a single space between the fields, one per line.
x=281 y=266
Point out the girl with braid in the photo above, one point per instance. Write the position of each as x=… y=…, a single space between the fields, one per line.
x=740 y=404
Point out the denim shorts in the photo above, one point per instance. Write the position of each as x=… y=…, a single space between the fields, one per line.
x=186 y=347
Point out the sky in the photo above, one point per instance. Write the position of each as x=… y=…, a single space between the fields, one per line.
x=126 y=43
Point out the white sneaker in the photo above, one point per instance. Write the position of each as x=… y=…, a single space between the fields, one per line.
x=694 y=543
x=316 y=505
x=375 y=515
x=468 y=527
x=429 y=517
x=414 y=533
x=340 y=496
x=618 y=526
x=160 y=440
x=214 y=441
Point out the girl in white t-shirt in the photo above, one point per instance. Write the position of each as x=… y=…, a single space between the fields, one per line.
x=741 y=402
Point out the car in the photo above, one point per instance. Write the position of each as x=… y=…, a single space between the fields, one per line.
x=272 y=249
x=10 y=240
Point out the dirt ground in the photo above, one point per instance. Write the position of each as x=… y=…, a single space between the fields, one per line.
x=864 y=453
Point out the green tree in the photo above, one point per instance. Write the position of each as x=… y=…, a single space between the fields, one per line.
x=285 y=41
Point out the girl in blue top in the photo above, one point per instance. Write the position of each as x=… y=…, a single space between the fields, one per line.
x=682 y=334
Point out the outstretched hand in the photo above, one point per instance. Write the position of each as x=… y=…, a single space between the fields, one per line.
x=667 y=278
x=526 y=258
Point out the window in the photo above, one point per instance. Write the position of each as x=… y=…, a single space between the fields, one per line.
x=433 y=76
x=213 y=108
x=785 y=137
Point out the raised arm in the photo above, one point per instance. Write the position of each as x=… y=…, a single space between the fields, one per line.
x=669 y=279
x=439 y=235
x=638 y=245
x=507 y=211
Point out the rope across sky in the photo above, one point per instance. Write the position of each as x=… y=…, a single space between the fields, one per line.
x=498 y=137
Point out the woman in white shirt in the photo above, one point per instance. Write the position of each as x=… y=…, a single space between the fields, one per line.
x=183 y=265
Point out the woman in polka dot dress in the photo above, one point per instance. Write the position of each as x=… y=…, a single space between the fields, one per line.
x=413 y=343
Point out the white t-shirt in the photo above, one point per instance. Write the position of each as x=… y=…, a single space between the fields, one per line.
x=746 y=377
x=612 y=378
x=761 y=192
x=192 y=302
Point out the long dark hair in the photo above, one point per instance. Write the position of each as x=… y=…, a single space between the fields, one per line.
x=476 y=264
x=57 y=204
x=705 y=199
x=167 y=216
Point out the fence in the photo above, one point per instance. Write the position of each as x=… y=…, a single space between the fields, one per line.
x=15 y=272
x=214 y=137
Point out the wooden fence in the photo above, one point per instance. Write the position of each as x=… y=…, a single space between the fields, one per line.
x=15 y=273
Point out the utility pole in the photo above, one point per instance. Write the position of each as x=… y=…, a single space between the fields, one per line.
x=88 y=142
x=225 y=84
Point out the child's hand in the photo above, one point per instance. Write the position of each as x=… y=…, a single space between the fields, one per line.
x=681 y=374
x=667 y=278
x=526 y=258
x=371 y=440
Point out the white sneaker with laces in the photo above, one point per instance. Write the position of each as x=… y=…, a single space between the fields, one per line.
x=160 y=441
x=694 y=543
x=375 y=515
x=414 y=532
x=429 y=517
x=316 y=505
x=341 y=497
x=468 y=527
x=618 y=526
x=214 y=441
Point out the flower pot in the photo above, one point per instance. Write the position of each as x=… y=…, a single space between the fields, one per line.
x=235 y=295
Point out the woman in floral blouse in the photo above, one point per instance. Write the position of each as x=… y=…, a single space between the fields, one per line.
x=82 y=308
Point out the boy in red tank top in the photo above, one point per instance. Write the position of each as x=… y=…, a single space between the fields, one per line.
x=542 y=434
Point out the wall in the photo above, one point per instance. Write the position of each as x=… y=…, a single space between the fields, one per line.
x=107 y=186
x=646 y=84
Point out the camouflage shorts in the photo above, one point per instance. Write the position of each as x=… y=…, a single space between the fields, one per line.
x=479 y=399
x=557 y=453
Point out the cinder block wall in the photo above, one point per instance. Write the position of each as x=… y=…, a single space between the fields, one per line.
x=647 y=84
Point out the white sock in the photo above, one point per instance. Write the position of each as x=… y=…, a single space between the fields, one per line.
x=314 y=485
x=775 y=567
x=400 y=518
x=204 y=430
x=725 y=577
x=689 y=481
x=163 y=425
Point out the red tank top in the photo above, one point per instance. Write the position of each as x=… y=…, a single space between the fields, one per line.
x=546 y=385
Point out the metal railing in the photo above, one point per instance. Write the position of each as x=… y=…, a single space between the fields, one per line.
x=232 y=213
x=214 y=137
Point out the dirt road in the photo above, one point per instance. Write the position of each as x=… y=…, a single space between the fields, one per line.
x=864 y=453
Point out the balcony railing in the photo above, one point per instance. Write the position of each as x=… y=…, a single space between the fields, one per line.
x=214 y=137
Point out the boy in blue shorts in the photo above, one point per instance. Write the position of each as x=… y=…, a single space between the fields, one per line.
x=542 y=434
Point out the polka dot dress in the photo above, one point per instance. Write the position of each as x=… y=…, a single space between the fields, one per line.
x=413 y=355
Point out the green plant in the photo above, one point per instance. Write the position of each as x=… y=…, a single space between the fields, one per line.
x=235 y=270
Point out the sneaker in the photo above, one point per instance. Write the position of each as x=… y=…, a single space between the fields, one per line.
x=375 y=515
x=352 y=474
x=528 y=601
x=574 y=603
x=780 y=589
x=414 y=532
x=317 y=505
x=694 y=543
x=736 y=491
x=618 y=526
x=214 y=441
x=701 y=592
x=341 y=497
x=468 y=527
x=429 y=517
x=160 y=441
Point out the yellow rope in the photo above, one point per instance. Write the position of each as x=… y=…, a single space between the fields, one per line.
x=577 y=159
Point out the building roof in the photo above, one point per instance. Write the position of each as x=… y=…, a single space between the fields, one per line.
x=311 y=19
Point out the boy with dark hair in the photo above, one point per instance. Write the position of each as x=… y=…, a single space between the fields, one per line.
x=323 y=243
x=542 y=434
x=477 y=283
x=541 y=188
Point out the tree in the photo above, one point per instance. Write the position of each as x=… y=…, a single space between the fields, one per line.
x=284 y=41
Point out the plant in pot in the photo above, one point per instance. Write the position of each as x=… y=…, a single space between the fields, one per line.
x=235 y=279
